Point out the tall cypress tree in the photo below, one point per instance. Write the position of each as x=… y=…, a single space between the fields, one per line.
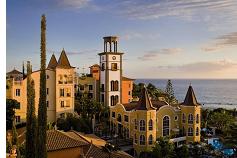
x=42 y=111
x=30 y=117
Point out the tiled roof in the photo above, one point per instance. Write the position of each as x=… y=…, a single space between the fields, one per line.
x=133 y=105
x=145 y=102
x=130 y=106
x=190 y=99
x=95 y=152
x=14 y=71
x=52 y=63
x=127 y=79
x=57 y=140
x=157 y=104
x=63 y=61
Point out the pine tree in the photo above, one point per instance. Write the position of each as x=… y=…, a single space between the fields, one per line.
x=30 y=116
x=170 y=93
x=42 y=111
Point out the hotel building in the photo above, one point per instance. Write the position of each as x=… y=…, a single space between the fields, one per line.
x=142 y=121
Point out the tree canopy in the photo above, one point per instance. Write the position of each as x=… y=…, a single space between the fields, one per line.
x=11 y=105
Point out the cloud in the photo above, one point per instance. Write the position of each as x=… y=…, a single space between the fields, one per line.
x=89 y=51
x=221 y=42
x=152 y=9
x=203 y=66
x=130 y=35
x=153 y=54
x=77 y=4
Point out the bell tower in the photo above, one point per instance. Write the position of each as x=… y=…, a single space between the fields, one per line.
x=110 y=72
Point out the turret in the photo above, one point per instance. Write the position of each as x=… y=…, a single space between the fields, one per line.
x=190 y=116
x=145 y=124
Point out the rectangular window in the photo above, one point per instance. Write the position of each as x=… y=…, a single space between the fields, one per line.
x=61 y=92
x=18 y=92
x=129 y=93
x=62 y=104
x=18 y=119
x=113 y=114
x=102 y=98
x=47 y=103
x=47 y=91
x=125 y=118
x=102 y=87
x=68 y=103
x=90 y=87
x=114 y=66
x=68 y=91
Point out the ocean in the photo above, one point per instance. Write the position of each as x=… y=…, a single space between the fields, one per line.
x=211 y=93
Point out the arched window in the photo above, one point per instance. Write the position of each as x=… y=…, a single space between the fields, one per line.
x=197 y=118
x=183 y=118
x=150 y=140
x=190 y=131
x=166 y=124
x=150 y=125
x=112 y=100
x=116 y=99
x=142 y=125
x=142 y=140
x=190 y=118
x=119 y=118
x=112 y=85
x=116 y=86
x=197 y=131
x=135 y=138
x=102 y=67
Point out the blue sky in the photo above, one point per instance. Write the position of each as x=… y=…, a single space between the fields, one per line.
x=160 y=39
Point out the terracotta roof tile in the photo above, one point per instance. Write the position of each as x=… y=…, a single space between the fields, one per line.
x=133 y=105
x=96 y=152
x=57 y=140
x=130 y=106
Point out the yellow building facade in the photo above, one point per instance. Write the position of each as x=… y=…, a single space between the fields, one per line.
x=59 y=90
x=146 y=120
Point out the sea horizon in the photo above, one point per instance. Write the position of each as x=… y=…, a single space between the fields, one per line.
x=210 y=93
